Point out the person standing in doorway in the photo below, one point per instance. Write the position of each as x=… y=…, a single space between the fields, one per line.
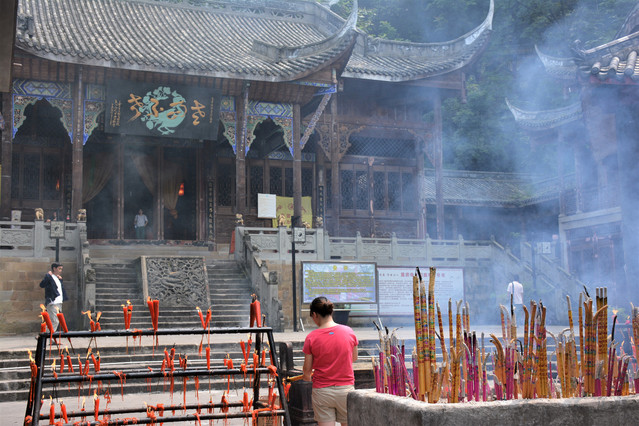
x=517 y=291
x=329 y=353
x=140 y=223
x=54 y=293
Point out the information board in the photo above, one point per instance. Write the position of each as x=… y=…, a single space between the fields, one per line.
x=340 y=282
x=266 y=206
x=396 y=287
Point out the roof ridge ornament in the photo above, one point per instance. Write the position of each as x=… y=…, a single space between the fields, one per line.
x=282 y=53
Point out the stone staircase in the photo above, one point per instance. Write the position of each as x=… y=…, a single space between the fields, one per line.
x=230 y=294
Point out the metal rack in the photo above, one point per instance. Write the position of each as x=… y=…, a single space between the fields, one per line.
x=34 y=403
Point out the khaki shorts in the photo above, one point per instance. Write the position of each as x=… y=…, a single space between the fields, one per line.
x=329 y=404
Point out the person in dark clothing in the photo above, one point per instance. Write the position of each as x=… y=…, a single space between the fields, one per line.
x=54 y=293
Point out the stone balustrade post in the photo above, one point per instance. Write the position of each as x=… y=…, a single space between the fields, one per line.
x=38 y=238
x=327 y=246
x=319 y=244
x=284 y=243
x=359 y=245
x=394 y=248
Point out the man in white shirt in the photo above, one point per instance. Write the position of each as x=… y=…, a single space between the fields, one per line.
x=54 y=293
x=140 y=223
x=517 y=291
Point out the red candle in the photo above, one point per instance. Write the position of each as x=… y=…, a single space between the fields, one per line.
x=63 y=408
x=96 y=405
x=46 y=318
x=125 y=311
x=208 y=318
x=62 y=321
x=52 y=413
x=199 y=312
x=208 y=357
x=156 y=311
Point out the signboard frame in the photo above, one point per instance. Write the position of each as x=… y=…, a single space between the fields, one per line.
x=309 y=299
x=384 y=310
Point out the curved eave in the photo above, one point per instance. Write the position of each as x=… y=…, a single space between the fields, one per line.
x=282 y=53
x=561 y=68
x=546 y=119
x=417 y=60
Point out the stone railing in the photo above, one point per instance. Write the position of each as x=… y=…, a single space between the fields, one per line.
x=31 y=239
x=485 y=262
x=265 y=286
x=275 y=244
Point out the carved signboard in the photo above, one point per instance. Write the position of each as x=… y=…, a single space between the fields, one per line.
x=166 y=110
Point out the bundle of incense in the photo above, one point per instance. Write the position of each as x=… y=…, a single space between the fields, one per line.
x=420 y=379
x=431 y=327
x=499 y=364
x=635 y=339
x=561 y=365
x=513 y=320
x=542 y=356
x=456 y=386
x=423 y=300
x=445 y=383
x=611 y=368
x=588 y=362
x=524 y=378
x=602 y=330
x=450 y=325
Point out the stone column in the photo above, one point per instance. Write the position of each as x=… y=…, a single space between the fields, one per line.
x=335 y=187
x=240 y=158
x=297 y=165
x=439 y=166
x=7 y=139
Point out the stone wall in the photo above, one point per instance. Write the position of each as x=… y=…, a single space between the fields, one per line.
x=367 y=408
x=21 y=295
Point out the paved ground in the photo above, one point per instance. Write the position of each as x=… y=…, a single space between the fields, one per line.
x=13 y=412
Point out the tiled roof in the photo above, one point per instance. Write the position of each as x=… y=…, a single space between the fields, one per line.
x=266 y=40
x=262 y=40
x=385 y=60
x=546 y=119
x=491 y=189
x=614 y=62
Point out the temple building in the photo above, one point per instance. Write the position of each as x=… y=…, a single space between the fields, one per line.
x=599 y=219
x=189 y=110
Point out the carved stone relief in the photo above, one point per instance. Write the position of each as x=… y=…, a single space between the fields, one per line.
x=17 y=238
x=178 y=281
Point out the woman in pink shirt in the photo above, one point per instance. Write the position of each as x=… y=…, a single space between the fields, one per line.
x=329 y=353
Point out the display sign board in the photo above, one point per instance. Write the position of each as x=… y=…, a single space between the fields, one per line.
x=340 y=282
x=396 y=287
x=166 y=110
x=266 y=206
x=57 y=229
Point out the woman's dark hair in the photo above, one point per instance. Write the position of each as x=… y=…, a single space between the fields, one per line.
x=322 y=306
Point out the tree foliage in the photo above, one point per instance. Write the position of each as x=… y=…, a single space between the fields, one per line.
x=481 y=134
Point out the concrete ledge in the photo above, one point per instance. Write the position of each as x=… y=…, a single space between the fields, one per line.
x=368 y=408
